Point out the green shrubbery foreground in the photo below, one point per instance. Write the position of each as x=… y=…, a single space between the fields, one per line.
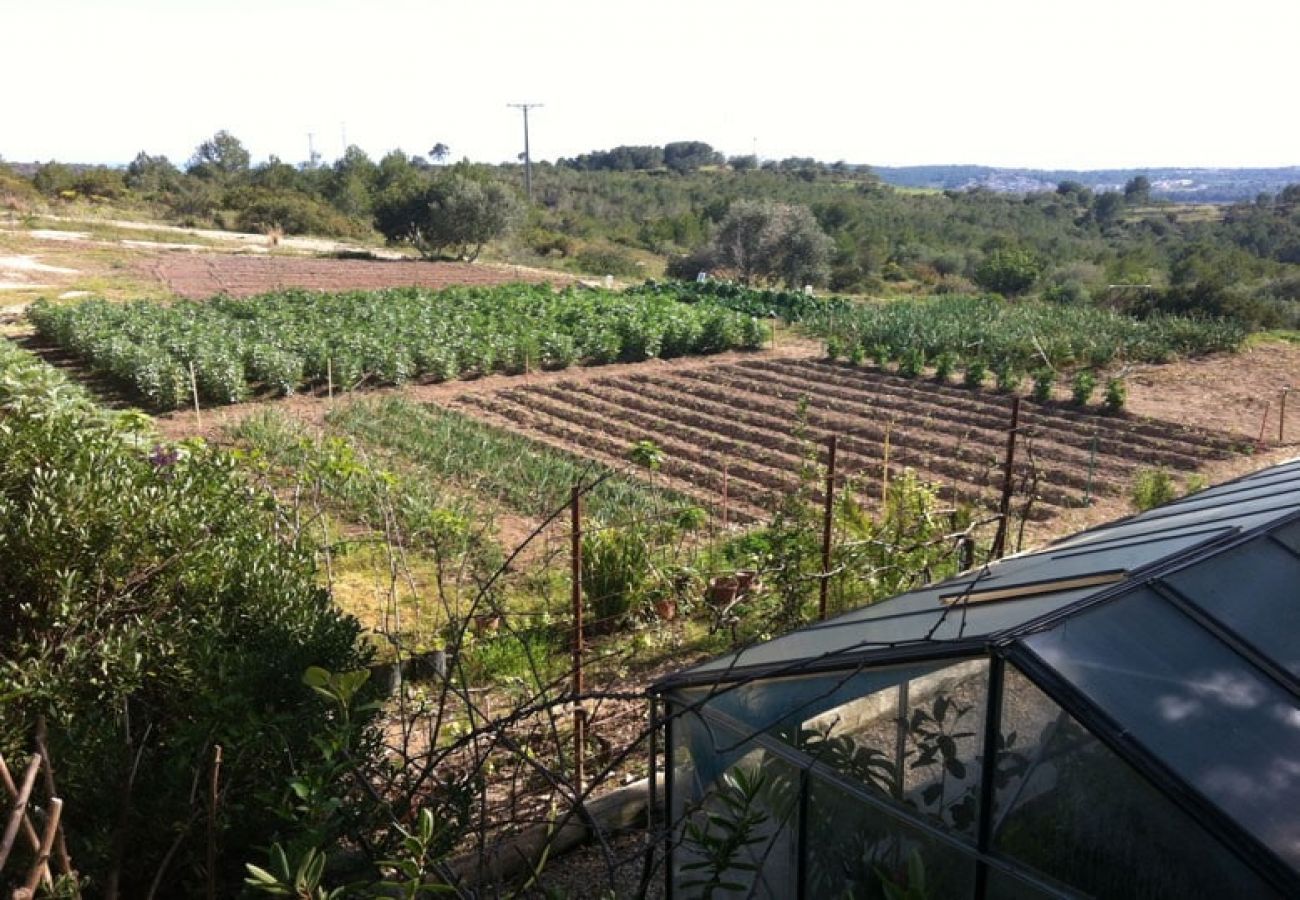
x=152 y=607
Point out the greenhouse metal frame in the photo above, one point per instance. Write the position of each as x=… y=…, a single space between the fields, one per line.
x=1116 y=715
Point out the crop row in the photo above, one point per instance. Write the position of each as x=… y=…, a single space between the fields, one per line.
x=227 y=348
x=530 y=479
x=762 y=420
x=1023 y=336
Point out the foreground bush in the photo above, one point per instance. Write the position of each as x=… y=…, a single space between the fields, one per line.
x=151 y=607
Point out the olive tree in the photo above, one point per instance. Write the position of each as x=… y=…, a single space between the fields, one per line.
x=773 y=242
x=457 y=214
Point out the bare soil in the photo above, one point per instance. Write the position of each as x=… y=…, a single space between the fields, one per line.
x=200 y=275
x=737 y=428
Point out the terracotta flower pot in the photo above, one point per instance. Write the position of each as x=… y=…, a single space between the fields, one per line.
x=666 y=609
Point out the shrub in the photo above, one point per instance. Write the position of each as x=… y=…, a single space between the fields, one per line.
x=973 y=377
x=185 y=618
x=1116 y=396
x=857 y=355
x=1008 y=272
x=605 y=261
x=1044 y=381
x=912 y=363
x=1152 y=488
x=943 y=367
x=1006 y=376
x=1082 y=387
x=292 y=212
x=615 y=562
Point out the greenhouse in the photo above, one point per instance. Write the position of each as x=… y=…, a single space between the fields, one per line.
x=1117 y=716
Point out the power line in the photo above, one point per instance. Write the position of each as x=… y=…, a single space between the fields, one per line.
x=528 y=160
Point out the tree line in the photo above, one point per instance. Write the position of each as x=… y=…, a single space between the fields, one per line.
x=795 y=221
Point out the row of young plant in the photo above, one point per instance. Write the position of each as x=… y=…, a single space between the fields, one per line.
x=1007 y=378
x=1020 y=335
x=792 y=306
x=226 y=349
x=525 y=476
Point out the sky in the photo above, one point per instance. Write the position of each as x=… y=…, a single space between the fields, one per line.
x=1057 y=84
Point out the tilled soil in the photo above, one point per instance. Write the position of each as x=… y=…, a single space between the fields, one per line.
x=738 y=433
x=200 y=275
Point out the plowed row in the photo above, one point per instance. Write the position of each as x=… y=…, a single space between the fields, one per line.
x=744 y=418
x=197 y=276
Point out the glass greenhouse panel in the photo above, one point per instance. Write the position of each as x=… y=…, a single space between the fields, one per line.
x=1002 y=886
x=1221 y=725
x=856 y=850
x=724 y=785
x=917 y=742
x=1069 y=808
x=1266 y=613
x=779 y=705
x=1290 y=536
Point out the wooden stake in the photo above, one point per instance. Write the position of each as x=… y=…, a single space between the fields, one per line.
x=29 y=830
x=60 y=843
x=1281 y=416
x=725 y=498
x=575 y=575
x=41 y=865
x=828 y=521
x=194 y=392
x=884 y=470
x=1008 y=474
x=329 y=377
x=213 y=788
x=19 y=811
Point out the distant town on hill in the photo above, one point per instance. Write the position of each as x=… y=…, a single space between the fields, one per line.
x=1183 y=185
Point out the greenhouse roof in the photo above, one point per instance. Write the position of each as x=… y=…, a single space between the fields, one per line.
x=1169 y=549
x=1174 y=634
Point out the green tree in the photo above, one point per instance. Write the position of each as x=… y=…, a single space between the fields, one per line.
x=1106 y=207
x=460 y=212
x=151 y=175
x=220 y=157
x=1138 y=190
x=687 y=156
x=773 y=242
x=1008 y=271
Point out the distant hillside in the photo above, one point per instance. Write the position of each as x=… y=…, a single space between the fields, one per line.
x=1184 y=185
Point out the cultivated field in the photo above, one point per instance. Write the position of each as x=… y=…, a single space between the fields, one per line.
x=738 y=428
x=197 y=276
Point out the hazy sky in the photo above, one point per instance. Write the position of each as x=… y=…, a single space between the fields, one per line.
x=1038 y=83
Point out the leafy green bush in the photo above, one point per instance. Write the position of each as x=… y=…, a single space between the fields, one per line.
x=1006 y=376
x=1116 y=396
x=943 y=367
x=973 y=376
x=615 y=564
x=185 y=616
x=1082 y=387
x=1008 y=271
x=911 y=363
x=292 y=212
x=1152 y=488
x=1044 y=381
x=605 y=261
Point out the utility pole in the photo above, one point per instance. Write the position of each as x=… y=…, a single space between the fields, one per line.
x=528 y=160
x=312 y=156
